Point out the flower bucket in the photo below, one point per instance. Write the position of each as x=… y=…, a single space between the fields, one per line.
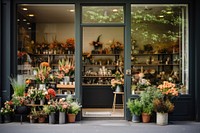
x=52 y=118
x=71 y=118
x=161 y=118
x=7 y=118
x=62 y=117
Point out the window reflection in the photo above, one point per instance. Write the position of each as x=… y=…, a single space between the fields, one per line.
x=101 y=14
x=159 y=46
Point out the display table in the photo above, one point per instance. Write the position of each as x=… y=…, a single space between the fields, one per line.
x=62 y=87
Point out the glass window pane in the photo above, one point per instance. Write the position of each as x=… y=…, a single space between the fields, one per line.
x=159 y=45
x=102 y=14
x=103 y=55
x=46 y=34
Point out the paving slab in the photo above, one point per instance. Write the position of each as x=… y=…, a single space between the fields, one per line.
x=101 y=126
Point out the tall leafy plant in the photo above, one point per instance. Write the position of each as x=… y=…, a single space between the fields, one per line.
x=19 y=88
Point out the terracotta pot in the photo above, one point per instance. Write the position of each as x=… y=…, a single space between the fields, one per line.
x=146 y=117
x=71 y=118
x=41 y=119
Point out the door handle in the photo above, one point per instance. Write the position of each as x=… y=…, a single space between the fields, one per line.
x=128 y=72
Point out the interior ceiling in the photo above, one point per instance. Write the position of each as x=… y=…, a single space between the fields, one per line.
x=49 y=13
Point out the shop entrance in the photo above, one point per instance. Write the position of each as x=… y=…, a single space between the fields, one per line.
x=102 y=63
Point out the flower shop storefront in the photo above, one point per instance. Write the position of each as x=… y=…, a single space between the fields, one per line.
x=86 y=58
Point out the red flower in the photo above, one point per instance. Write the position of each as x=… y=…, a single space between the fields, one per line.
x=51 y=94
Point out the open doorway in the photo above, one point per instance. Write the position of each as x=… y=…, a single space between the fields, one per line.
x=102 y=72
x=102 y=65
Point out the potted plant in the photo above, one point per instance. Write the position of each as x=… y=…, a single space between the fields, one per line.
x=50 y=109
x=41 y=115
x=32 y=95
x=18 y=98
x=135 y=108
x=42 y=75
x=117 y=82
x=146 y=98
x=67 y=68
x=41 y=94
x=163 y=105
x=7 y=111
x=73 y=109
x=62 y=106
x=33 y=116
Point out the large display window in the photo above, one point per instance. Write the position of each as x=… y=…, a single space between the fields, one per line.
x=159 y=46
x=46 y=45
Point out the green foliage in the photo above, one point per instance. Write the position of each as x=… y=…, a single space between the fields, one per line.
x=147 y=98
x=74 y=107
x=100 y=15
x=19 y=88
x=49 y=108
x=135 y=107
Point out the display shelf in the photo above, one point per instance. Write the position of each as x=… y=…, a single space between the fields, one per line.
x=152 y=54
x=98 y=76
x=52 y=54
x=92 y=65
x=146 y=65
x=96 y=84
x=105 y=54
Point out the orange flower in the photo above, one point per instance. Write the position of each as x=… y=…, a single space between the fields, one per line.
x=70 y=41
x=28 y=81
x=44 y=64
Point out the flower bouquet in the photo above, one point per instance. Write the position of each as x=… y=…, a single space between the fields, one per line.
x=118 y=81
x=32 y=95
x=7 y=109
x=70 y=44
x=116 y=47
x=50 y=94
x=63 y=105
x=41 y=94
x=43 y=72
x=169 y=90
x=66 y=67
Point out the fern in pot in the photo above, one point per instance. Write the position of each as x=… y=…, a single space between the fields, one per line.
x=135 y=107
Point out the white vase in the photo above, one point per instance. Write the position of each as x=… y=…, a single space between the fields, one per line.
x=118 y=89
x=66 y=80
x=161 y=118
x=42 y=86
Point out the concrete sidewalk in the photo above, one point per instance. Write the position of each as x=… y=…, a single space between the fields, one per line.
x=101 y=126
